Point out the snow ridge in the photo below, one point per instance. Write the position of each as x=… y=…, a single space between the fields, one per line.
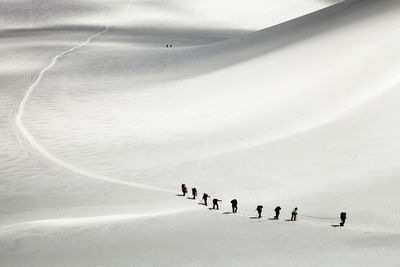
x=41 y=149
x=62 y=223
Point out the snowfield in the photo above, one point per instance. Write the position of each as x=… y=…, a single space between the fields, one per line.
x=272 y=102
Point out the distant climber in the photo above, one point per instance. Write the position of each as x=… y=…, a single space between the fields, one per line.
x=215 y=203
x=259 y=210
x=294 y=214
x=205 y=197
x=277 y=212
x=343 y=217
x=234 y=205
x=184 y=189
x=194 y=192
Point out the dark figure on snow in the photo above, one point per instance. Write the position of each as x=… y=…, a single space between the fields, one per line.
x=277 y=212
x=259 y=210
x=343 y=218
x=184 y=189
x=205 y=197
x=234 y=205
x=215 y=203
x=194 y=193
x=294 y=214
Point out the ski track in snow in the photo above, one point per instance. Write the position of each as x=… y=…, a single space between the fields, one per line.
x=99 y=220
x=56 y=224
x=41 y=149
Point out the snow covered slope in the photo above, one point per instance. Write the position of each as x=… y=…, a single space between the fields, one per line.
x=156 y=14
x=99 y=133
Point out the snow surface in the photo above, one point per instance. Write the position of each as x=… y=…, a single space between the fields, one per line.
x=289 y=102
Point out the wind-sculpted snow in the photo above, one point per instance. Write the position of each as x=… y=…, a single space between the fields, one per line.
x=101 y=121
x=209 y=114
x=29 y=137
x=59 y=224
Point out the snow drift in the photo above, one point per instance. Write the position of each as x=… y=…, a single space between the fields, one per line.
x=303 y=113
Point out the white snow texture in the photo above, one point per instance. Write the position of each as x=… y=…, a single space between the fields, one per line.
x=271 y=102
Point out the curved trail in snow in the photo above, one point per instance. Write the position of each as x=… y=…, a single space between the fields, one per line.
x=41 y=149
